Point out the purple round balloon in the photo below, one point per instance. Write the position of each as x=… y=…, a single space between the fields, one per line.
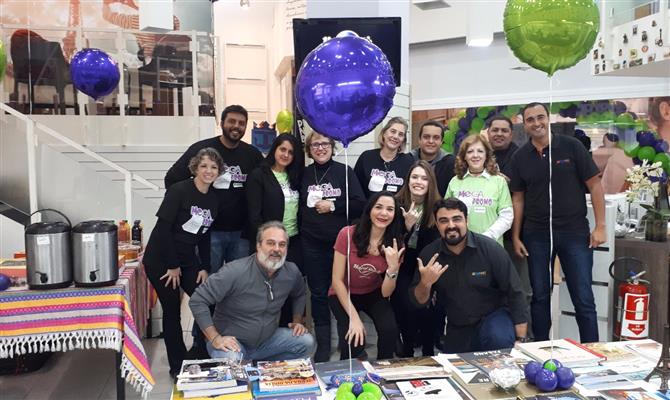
x=530 y=371
x=94 y=72
x=345 y=87
x=646 y=138
x=566 y=378
x=464 y=124
x=619 y=107
x=5 y=282
x=546 y=380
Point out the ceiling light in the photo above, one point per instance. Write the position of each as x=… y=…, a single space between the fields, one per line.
x=244 y=4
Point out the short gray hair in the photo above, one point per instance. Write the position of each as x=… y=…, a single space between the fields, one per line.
x=209 y=152
x=268 y=225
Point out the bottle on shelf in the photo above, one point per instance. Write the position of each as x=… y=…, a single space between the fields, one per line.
x=124 y=231
x=137 y=234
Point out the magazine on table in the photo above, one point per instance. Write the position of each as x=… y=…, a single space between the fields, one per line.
x=467 y=372
x=428 y=389
x=567 y=351
x=647 y=348
x=554 y=396
x=212 y=374
x=604 y=379
x=333 y=373
x=487 y=361
x=284 y=377
x=629 y=394
x=407 y=368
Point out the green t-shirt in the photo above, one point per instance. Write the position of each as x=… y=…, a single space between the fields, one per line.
x=485 y=195
x=290 y=219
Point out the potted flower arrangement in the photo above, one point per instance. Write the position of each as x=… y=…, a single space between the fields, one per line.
x=649 y=178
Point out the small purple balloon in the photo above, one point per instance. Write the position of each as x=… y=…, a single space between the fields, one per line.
x=357 y=389
x=646 y=138
x=619 y=107
x=661 y=146
x=566 y=378
x=637 y=161
x=94 y=72
x=530 y=371
x=5 y=282
x=345 y=87
x=464 y=124
x=546 y=380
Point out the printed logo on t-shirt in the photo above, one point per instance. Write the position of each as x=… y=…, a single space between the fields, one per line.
x=289 y=194
x=389 y=177
x=327 y=189
x=206 y=215
x=474 y=198
x=366 y=270
x=236 y=174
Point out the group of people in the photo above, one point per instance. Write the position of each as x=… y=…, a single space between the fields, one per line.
x=406 y=238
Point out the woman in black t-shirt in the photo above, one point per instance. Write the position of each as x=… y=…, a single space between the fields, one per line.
x=385 y=168
x=178 y=251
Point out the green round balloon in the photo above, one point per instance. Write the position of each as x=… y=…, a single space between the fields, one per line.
x=646 y=153
x=483 y=112
x=550 y=35
x=343 y=395
x=345 y=387
x=625 y=120
x=3 y=60
x=550 y=365
x=664 y=159
x=632 y=152
x=477 y=124
x=453 y=124
x=367 y=396
x=374 y=389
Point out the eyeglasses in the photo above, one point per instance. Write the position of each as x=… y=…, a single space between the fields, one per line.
x=317 y=145
x=271 y=296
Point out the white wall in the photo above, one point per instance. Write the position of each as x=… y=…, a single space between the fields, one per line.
x=11 y=237
x=449 y=74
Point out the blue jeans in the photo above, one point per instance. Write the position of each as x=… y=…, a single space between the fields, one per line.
x=493 y=332
x=577 y=264
x=282 y=345
x=226 y=247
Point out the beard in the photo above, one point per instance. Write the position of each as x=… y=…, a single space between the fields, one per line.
x=271 y=264
x=231 y=135
x=452 y=241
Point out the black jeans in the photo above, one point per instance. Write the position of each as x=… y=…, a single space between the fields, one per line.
x=318 y=266
x=495 y=331
x=381 y=312
x=294 y=255
x=171 y=303
x=414 y=323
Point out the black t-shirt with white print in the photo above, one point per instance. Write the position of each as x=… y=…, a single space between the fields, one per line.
x=184 y=220
x=376 y=175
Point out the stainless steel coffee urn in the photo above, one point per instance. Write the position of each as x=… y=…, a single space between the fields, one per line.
x=48 y=254
x=95 y=253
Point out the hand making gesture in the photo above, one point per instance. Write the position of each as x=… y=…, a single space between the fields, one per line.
x=411 y=216
x=393 y=256
x=432 y=271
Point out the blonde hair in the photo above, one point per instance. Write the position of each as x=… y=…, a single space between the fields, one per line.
x=387 y=125
x=461 y=166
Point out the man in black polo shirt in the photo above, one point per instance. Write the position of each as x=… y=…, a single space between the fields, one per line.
x=229 y=239
x=475 y=281
x=573 y=172
x=499 y=131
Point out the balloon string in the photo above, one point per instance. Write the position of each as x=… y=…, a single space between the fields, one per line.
x=346 y=211
x=551 y=224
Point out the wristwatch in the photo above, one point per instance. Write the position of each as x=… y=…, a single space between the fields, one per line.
x=524 y=339
x=332 y=207
x=391 y=275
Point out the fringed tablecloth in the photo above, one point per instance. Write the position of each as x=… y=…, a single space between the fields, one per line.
x=34 y=321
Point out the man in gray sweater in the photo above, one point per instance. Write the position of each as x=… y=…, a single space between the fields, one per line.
x=249 y=294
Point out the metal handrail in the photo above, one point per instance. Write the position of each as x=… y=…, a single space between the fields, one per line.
x=32 y=184
x=101 y=30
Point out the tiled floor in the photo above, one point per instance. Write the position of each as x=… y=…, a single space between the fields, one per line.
x=90 y=374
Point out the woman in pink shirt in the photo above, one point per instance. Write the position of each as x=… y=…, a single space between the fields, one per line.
x=374 y=250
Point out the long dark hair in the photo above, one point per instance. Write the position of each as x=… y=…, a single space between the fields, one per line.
x=394 y=230
x=404 y=196
x=294 y=170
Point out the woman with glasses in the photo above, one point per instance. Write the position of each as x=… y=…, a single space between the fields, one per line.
x=416 y=200
x=177 y=255
x=273 y=194
x=366 y=261
x=323 y=209
x=385 y=168
x=482 y=188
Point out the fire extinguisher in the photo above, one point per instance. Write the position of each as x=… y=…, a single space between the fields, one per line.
x=632 y=320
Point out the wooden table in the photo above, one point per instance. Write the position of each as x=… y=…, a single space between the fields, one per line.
x=655 y=256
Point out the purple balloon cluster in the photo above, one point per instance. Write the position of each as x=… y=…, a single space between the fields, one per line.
x=345 y=87
x=549 y=375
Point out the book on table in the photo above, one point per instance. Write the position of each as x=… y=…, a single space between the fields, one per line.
x=407 y=368
x=212 y=374
x=286 y=377
x=487 y=361
x=554 y=396
x=179 y=395
x=426 y=389
x=647 y=348
x=622 y=352
x=333 y=373
x=467 y=373
x=570 y=353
